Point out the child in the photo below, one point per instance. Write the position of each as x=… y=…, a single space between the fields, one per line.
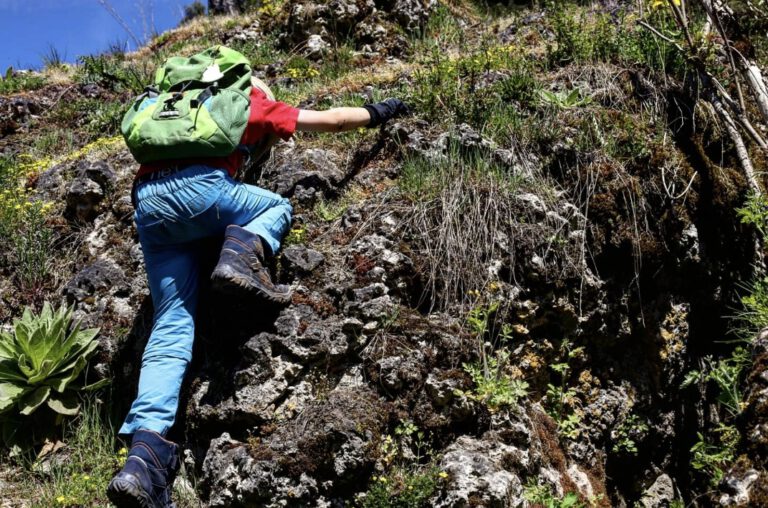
x=178 y=204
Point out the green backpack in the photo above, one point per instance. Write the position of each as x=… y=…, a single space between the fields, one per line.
x=197 y=107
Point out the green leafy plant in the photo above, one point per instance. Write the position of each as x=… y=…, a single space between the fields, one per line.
x=564 y=99
x=492 y=385
x=726 y=374
x=714 y=457
x=625 y=434
x=755 y=212
x=41 y=361
x=402 y=488
x=560 y=398
x=405 y=482
x=542 y=495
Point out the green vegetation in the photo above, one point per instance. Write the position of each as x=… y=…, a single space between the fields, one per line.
x=14 y=82
x=543 y=495
x=561 y=400
x=625 y=434
x=406 y=483
x=714 y=457
x=25 y=237
x=40 y=362
x=81 y=479
x=726 y=374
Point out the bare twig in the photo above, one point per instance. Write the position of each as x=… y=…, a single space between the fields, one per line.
x=117 y=17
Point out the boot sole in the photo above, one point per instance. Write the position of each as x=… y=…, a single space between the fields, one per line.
x=126 y=494
x=224 y=280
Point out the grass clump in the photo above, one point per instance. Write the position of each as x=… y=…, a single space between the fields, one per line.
x=15 y=81
x=80 y=472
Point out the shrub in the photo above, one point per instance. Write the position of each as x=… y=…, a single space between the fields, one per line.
x=25 y=237
x=40 y=362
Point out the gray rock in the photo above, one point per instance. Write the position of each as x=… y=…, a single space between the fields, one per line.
x=236 y=479
x=316 y=47
x=660 y=494
x=478 y=475
x=737 y=488
x=84 y=198
x=396 y=372
x=100 y=278
x=302 y=259
x=441 y=391
x=308 y=175
x=226 y=6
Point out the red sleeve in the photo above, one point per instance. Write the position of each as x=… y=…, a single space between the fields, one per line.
x=269 y=117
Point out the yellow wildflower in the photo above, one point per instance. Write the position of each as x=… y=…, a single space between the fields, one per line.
x=442 y=474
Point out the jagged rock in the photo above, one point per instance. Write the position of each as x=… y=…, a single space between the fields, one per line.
x=660 y=494
x=331 y=438
x=15 y=112
x=478 y=475
x=736 y=487
x=410 y=14
x=316 y=47
x=395 y=372
x=441 y=391
x=84 y=197
x=308 y=175
x=368 y=293
x=302 y=259
x=100 y=172
x=102 y=277
x=236 y=479
x=374 y=257
x=50 y=184
x=226 y=6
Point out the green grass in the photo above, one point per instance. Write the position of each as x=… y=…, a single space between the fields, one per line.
x=14 y=82
x=79 y=474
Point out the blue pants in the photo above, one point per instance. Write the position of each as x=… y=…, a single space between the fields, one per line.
x=172 y=215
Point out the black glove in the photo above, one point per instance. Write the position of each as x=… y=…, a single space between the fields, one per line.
x=385 y=110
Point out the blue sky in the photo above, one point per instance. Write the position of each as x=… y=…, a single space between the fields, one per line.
x=28 y=28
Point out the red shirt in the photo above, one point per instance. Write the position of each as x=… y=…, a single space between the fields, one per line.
x=266 y=117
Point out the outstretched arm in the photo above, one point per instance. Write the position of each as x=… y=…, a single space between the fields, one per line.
x=345 y=119
x=332 y=120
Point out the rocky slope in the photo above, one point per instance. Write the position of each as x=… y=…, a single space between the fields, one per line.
x=581 y=256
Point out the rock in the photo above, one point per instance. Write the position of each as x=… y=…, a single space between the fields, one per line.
x=316 y=47
x=103 y=276
x=660 y=494
x=396 y=372
x=84 y=197
x=226 y=6
x=100 y=172
x=737 y=488
x=581 y=480
x=477 y=475
x=441 y=391
x=307 y=176
x=334 y=436
x=302 y=259
x=236 y=479
x=409 y=14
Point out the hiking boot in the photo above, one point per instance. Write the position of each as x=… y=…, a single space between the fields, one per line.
x=241 y=267
x=147 y=476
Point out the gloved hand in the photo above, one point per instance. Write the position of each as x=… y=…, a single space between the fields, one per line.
x=385 y=110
